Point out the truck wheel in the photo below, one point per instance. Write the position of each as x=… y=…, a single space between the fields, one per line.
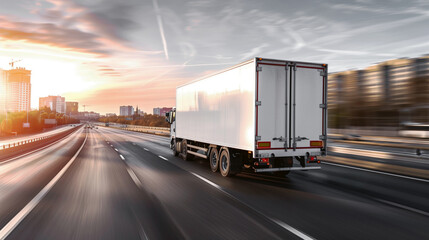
x=225 y=164
x=184 y=153
x=174 y=147
x=282 y=162
x=214 y=159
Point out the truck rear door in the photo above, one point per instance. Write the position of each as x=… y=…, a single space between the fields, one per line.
x=290 y=107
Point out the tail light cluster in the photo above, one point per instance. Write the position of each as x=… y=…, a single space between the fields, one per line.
x=312 y=159
x=263 y=161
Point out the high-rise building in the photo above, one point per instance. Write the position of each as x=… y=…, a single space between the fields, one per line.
x=126 y=110
x=161 y=111
x=3 y=78
x=72 y=107
x=55 y=103
x=16 y=85
x=385 y=94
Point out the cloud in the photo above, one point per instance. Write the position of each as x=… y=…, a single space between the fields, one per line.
x=354 y=53
x=352 y=7
x=52 y=35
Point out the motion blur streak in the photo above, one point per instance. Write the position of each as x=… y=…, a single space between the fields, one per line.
x=142 y=196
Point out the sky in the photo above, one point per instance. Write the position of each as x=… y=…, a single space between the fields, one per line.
x=107 y=53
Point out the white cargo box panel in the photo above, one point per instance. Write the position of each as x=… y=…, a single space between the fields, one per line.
x=262 y=105
x=291 y=109
x=219 y=109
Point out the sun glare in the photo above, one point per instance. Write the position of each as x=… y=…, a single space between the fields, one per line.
x=54 y=71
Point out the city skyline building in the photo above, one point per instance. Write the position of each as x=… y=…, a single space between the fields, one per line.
x=72 y=108
x=55 y=103
x=126 y=110
x=3 y=78
x=387 y=94
x=161 y=111
x=15 y=85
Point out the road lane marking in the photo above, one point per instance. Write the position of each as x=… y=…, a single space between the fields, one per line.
x=163 y=158
x=116 y=150
x=379 y=172
x=207 y=181
x=122 y=157
x=14 y=222
x=292 y=229
x=134 y=177
x=404 y=207
x=146 y=149
x=278 y=222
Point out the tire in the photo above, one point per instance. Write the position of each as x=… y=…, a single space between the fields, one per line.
x=185 y=155
x=282 y=162
x=174 y=148
x=225 y=166
x=214 y=159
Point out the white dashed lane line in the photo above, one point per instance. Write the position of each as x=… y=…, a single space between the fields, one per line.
x=116 y=150
x=163 y=158
x=206 y=180
x=122 y=157
x=278 y=222
x=135 y=178
x=146 y=149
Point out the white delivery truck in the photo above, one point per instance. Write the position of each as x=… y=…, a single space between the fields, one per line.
x=260 y=114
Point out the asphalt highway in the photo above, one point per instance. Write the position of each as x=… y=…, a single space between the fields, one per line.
x=112 y=184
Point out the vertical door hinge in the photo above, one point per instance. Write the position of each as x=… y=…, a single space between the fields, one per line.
x=258 y=103
x=322 y=137
x=259 y=69
x=323 y=73
x=322 y=105
x=257 y=138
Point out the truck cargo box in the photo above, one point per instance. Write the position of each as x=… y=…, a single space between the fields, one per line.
x=273 y=108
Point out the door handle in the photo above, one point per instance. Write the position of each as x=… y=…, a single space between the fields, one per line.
x=281 y=139
x=297 y=139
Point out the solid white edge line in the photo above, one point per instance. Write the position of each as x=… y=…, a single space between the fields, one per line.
x=292 y=229
x=14 y=222
x=404 y=207
x=163 y=158
x=374 y=171
x=122 y=157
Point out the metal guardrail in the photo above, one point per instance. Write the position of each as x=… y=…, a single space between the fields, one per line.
x=20 y=143
x=27 y=141
x=143 y=129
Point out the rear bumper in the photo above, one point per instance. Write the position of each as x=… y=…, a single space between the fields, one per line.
x=301 y=152
x=286 y=169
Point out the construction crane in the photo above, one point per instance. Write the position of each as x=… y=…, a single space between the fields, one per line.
x=13 y=62
x=84 y=106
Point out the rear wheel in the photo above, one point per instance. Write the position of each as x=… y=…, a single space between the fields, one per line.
x=225 y=163
x=184 y=154
x=229 y=163
x=281 y=163
x=214 y=159
x=174 y=148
